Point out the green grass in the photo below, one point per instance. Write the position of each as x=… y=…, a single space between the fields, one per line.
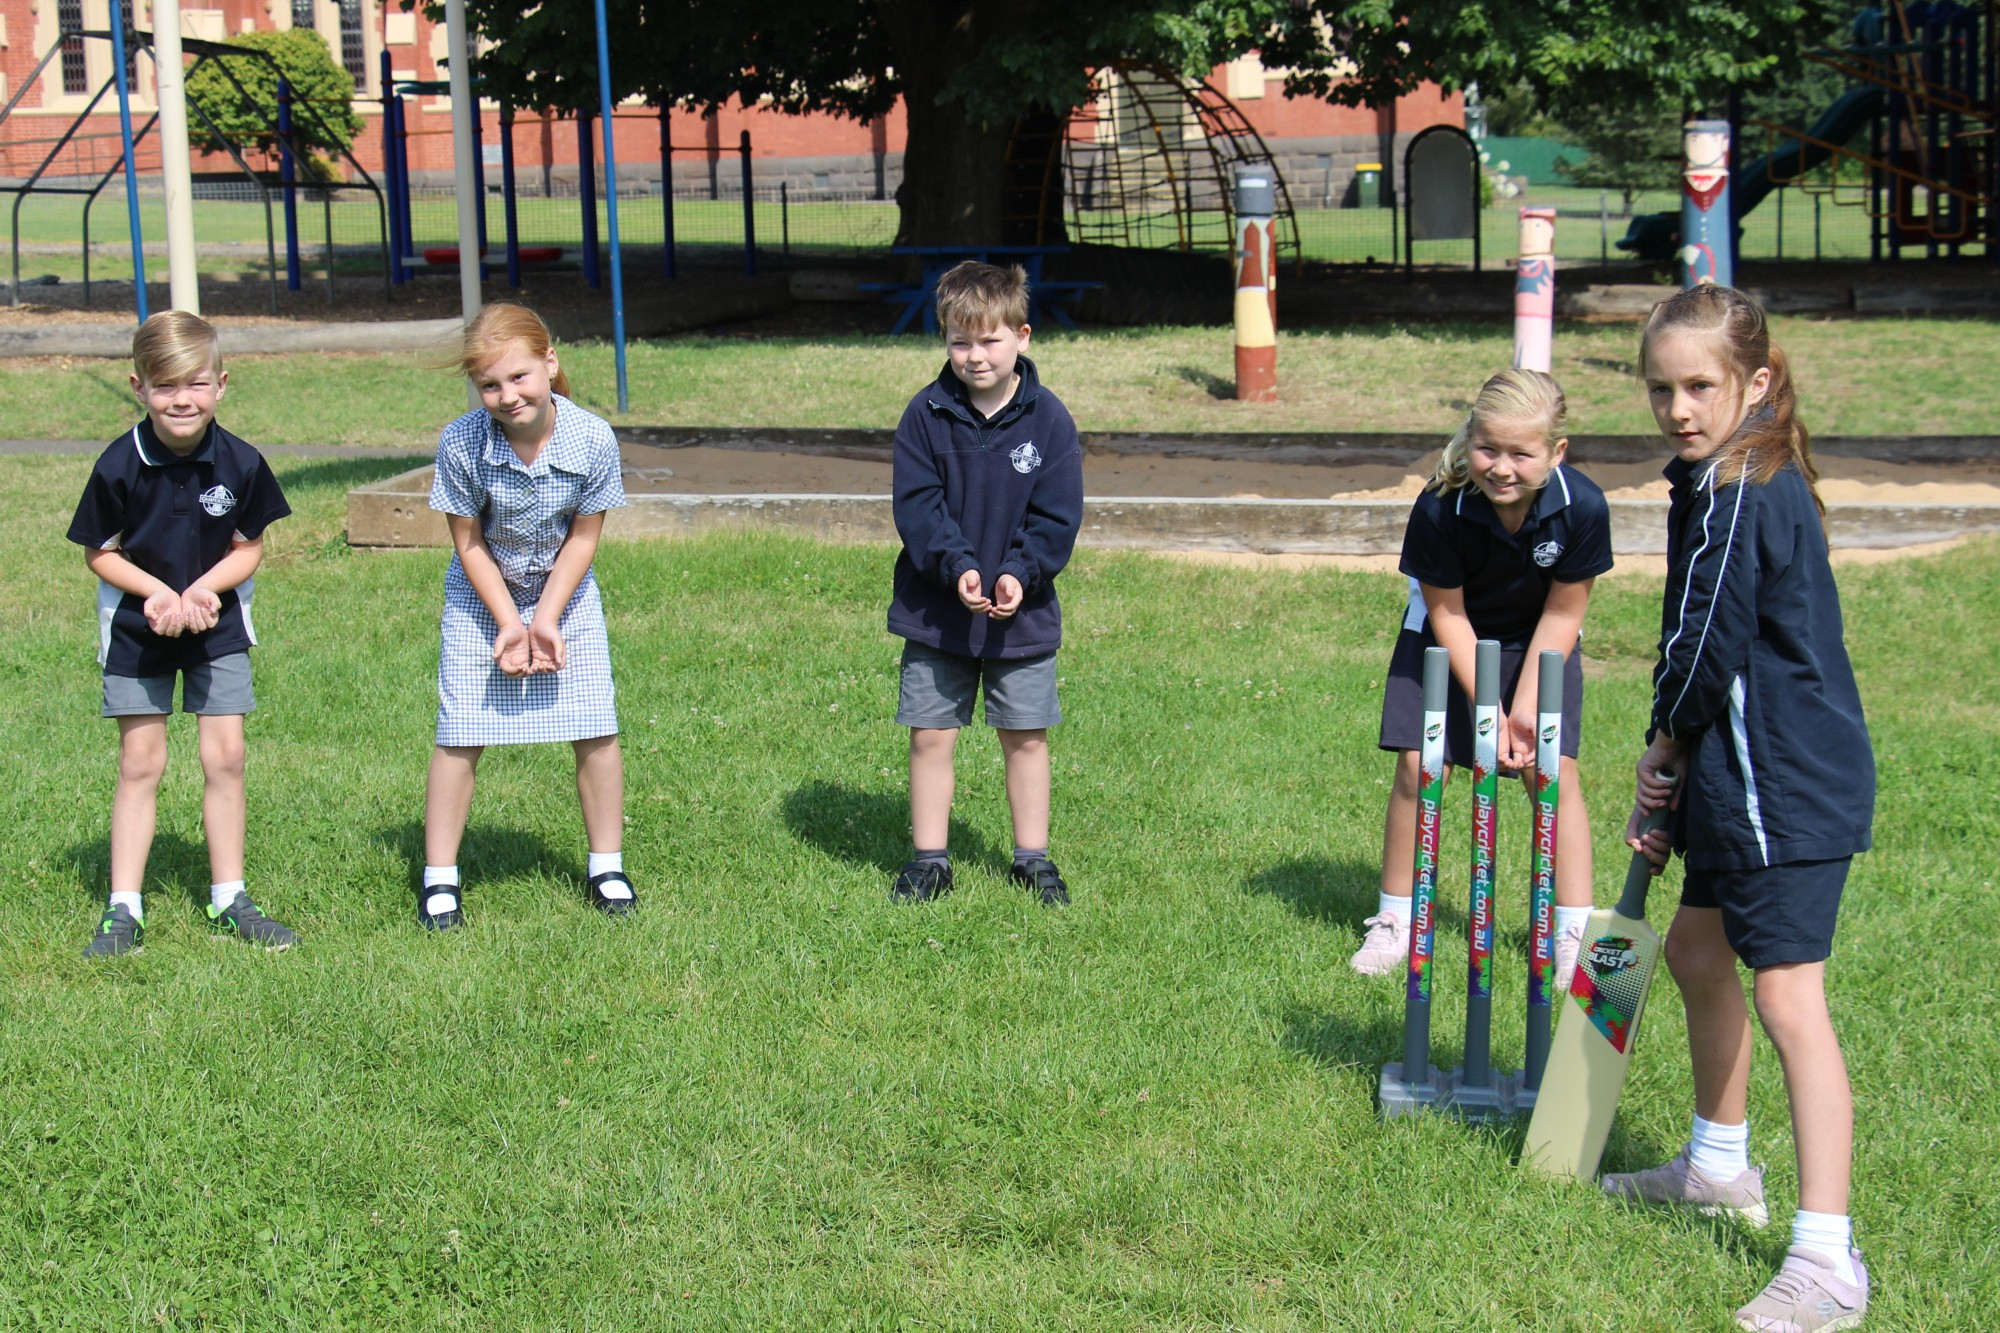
x=1856 y=378
x=772 y=1101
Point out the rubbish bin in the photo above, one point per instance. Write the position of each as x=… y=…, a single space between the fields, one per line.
x=1366 y=192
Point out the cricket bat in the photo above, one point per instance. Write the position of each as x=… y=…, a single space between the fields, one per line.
x=1594 y=1037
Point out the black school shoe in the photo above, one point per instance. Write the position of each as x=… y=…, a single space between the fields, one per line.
x=118 y=933
x=1041 y=878
x=612 y=906
x=450 y=919
x=921 y=882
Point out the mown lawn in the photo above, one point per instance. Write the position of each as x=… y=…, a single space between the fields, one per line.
x=1874 y=377
x=773 y=1101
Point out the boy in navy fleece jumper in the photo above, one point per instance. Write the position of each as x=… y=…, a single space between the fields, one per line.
x=989 y=495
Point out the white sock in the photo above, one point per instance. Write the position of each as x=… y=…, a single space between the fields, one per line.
x=604 y=863
x=1830 y=1236
x=1568 y=917
x=1389 y=905
x=223 y=894
x=1721 y=1151
x=130 y=902
x=441 y=877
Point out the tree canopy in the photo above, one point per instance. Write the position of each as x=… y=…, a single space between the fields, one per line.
x=967 y=71
x=317 y=80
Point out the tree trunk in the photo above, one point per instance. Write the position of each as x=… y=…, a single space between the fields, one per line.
x=954 y=166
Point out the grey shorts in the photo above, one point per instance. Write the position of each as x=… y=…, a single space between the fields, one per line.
x=938 y=689
x=220 y=688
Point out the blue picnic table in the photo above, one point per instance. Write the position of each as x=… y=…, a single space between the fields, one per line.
x=919 y=299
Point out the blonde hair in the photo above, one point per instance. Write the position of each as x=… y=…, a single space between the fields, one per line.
x=976 y=298
x=1771 y=434
x=172 y=345
x=498 y=326
x=1512 y=395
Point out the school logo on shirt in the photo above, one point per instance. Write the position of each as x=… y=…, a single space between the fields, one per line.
x=1548 y=553
x=1024 y=457
x=217 y=500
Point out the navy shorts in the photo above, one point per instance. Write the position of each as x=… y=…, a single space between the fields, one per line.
x=938 y=690
x=1403 y=700
x=1773 y=914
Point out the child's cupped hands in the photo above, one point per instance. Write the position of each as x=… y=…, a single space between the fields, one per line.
x=201 y=609
x=510 y=650
x=165 y=614
x=972 y=592
x=1007 y=597
x=546 y=649
x=1517 y=740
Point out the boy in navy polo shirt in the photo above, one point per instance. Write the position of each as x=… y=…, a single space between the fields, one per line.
x=172 y=524
x=989 y=495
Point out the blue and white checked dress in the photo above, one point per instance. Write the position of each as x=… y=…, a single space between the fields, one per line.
x=525 y=514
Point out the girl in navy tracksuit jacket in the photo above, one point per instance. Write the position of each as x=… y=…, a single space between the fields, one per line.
x=1756 y=714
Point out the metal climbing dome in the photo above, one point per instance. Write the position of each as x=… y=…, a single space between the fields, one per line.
x=1151 y=163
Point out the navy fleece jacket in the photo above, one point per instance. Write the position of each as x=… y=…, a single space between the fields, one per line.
x=1753 y=678
x=1002 y=496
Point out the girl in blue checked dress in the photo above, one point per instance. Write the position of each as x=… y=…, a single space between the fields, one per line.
x=524 y=483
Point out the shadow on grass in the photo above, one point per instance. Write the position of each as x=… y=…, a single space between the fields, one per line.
x=485 y=853
x=1212 y=384
x=1318 y=889
x=344 y=474
x=174 y=863
x=870 y=828
x=1345 y=1040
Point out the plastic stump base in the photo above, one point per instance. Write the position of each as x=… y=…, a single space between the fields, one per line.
x=1493 y=1100
x=1524 y=1096
x=1400 y=1098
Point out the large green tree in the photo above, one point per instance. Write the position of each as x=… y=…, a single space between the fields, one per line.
x=239 y=97
x=968 y=69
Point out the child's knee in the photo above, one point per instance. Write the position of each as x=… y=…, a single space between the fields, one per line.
x=1791 y=999
x=932 y=742
x=142 y=760
x=222 y=754
x=1699 y=954
x=1026 y=744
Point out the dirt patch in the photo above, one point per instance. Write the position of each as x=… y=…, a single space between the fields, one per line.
x=704 y=470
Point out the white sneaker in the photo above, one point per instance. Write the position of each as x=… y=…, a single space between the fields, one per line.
x=1385 y=948
x=1569 y=943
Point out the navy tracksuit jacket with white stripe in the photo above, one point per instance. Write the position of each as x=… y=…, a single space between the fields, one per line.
x=1754 y=680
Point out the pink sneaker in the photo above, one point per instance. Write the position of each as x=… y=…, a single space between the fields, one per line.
x=1807 y=1296
x=1682 y=1184
x=1385 y=948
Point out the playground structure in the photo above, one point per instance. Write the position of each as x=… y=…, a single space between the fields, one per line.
x=1152 y=161
x=81 y=162
x=1927 y=100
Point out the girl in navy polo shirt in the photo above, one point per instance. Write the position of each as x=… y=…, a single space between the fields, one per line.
x=524 y=482
x=1503 y=544
x=1755 y=711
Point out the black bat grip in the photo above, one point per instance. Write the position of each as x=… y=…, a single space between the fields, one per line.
x=1639 y=876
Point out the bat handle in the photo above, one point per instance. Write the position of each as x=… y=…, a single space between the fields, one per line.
x=1639 y=876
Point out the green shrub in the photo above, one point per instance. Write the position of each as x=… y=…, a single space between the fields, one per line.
x=325 y=125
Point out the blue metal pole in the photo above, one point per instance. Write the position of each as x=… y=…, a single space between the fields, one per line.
x=131 y=171
x=611 y=203
x=586 y=188
x=288 y=175
x=393 y=208
x=479 y=176
x=749 y=212
x=667 y=189
x=507 y=202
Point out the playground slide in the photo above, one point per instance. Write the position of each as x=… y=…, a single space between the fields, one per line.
x=1653 y=236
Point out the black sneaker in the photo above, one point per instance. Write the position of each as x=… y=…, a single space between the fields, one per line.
x=613 y=906
x=243 y=919
x=451 y=918
x=1041 y=878
x=118 y=933
x=922 y=882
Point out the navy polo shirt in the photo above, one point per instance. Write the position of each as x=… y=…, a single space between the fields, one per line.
x=174 y=516
x=1456 y=540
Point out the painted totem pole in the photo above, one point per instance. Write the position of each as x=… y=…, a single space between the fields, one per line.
x=1708 y=235
x=1256 y=290
x=1535 y=290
